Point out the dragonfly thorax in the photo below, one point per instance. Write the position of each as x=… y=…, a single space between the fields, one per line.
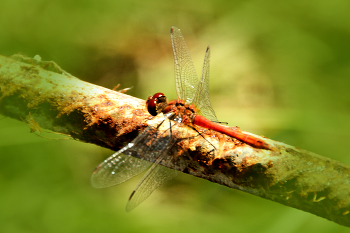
x=185 y=111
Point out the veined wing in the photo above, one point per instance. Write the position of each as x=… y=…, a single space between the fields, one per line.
x=201 y=100
x=186 y=79
x=155 y=177
x=117 y=169
x=121 y=166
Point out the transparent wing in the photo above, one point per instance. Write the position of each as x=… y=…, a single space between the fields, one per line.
x=186 y=79
x=201 y=100
x=156 y=176
x=116 y=169
x=121 y=166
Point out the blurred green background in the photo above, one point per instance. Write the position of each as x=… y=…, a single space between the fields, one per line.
x=278 y=68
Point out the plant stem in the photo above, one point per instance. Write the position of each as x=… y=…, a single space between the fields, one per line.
x=48 y=97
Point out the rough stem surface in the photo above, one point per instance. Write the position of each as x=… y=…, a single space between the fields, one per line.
x=48 y=97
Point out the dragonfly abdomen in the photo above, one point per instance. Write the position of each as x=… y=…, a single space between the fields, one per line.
x=236 y=133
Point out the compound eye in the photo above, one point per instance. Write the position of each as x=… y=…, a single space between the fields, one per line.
x=158 y=95
x=152 y=106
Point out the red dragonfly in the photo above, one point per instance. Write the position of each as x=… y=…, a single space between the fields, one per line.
x=193 y=107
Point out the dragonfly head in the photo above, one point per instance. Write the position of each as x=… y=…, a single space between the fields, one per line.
x=156 y=103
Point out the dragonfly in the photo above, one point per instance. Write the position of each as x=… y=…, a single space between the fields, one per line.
x=193 y=107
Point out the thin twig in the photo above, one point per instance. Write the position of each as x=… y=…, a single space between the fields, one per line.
x=62 y=103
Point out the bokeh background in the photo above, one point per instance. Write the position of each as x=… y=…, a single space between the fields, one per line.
x=278 y=68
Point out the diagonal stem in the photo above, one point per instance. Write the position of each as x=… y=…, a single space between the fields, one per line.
x=55 y=100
